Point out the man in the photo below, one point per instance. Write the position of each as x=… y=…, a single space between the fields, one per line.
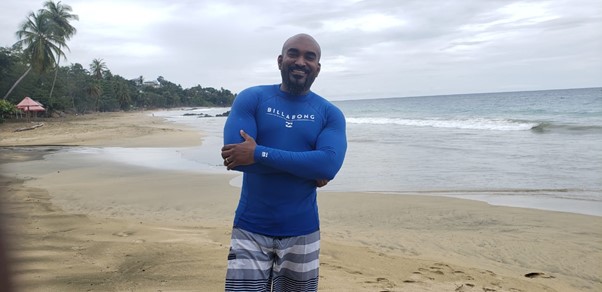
x=287 y=141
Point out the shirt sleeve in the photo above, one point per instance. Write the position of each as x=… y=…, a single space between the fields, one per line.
x=242 y=117
x=322 y=163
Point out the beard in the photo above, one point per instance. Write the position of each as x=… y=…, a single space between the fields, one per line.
x=297 y=86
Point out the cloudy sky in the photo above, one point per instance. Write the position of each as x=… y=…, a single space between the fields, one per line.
x=370 y=48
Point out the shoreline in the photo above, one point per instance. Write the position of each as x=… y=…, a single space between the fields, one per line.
x=124 y=227
x=171 y=158
x=515 y=199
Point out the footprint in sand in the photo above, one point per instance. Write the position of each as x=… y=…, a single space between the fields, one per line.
x=464 y=287
x=488 y=272
x=123 y=233
x=383 y=282
x=538 y=275
x=440 y=269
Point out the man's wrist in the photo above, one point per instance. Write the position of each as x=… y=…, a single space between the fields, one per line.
x=261 y=153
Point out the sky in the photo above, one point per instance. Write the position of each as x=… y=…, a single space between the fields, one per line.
x=370 y=48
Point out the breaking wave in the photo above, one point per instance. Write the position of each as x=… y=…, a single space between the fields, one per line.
x=473 y=124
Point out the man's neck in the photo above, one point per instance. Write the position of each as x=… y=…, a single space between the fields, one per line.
x=284 y=88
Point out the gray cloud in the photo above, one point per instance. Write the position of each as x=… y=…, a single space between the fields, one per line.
x=371 y=49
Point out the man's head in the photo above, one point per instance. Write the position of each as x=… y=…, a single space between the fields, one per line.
x=299 y=63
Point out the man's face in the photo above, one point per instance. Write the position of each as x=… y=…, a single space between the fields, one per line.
x=299 y=64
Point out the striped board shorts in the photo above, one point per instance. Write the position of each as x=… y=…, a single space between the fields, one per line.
x=263 y=263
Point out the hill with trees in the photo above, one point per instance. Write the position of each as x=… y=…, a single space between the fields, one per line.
x=31 y=67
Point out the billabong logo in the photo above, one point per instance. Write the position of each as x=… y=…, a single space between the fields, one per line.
x=290 y=118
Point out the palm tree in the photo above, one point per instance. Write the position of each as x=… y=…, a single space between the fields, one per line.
x=95 y=91
x=123 y=94
x=59 y=16
x=40 y=45
x=97 y=69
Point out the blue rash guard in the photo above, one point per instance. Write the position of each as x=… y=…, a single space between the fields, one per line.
x=300 y=139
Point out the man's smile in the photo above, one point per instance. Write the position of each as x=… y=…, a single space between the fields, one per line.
x=298 y=72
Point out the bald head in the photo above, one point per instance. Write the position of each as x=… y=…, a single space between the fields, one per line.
x=299 y=63
x=303 y=37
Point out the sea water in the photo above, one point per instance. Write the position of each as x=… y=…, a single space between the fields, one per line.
x=539 y=149
x=536 y=149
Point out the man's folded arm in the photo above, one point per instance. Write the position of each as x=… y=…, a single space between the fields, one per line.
x=322 y=163
x=242 y=116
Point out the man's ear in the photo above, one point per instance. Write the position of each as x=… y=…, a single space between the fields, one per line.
x=319 y=67
x=280 y=62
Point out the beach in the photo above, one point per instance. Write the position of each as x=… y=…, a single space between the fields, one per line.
x=102 y=225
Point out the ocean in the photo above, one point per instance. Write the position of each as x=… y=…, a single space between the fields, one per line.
x=535 y=149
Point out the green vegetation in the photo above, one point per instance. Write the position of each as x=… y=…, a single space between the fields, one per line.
x=31 y=68
x=59 y=16
x=7 y=109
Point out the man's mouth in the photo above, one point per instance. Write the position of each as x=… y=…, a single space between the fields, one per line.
x=298 y=72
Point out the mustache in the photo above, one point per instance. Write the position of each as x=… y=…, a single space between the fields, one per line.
x=300 y=68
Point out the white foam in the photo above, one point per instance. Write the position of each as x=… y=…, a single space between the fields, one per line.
x=475 y=124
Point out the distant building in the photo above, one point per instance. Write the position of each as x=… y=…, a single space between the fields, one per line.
x=151 y=83
x=137 y=81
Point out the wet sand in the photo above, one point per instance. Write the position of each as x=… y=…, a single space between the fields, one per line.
x=76 y=226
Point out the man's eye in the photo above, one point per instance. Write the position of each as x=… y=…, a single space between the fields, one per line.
x=310 y=57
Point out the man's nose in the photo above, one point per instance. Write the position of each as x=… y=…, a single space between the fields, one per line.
x=300 y=61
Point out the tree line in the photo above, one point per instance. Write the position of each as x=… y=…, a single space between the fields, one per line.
x=31 y=67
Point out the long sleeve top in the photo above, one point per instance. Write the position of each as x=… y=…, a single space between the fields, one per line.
x=300 y=139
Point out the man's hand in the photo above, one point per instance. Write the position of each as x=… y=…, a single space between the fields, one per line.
x=241 y=153
x=321 y=182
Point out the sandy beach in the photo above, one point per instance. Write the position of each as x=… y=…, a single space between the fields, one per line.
x=77 y=226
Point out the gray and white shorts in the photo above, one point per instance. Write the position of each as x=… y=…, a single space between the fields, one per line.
x=263 y=263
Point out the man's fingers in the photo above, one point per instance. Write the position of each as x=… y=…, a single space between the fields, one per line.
x=321 y=182
x=226 y=153
x=231 y=165
x=235 y=155
x=244 y=135
x=228 y=147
